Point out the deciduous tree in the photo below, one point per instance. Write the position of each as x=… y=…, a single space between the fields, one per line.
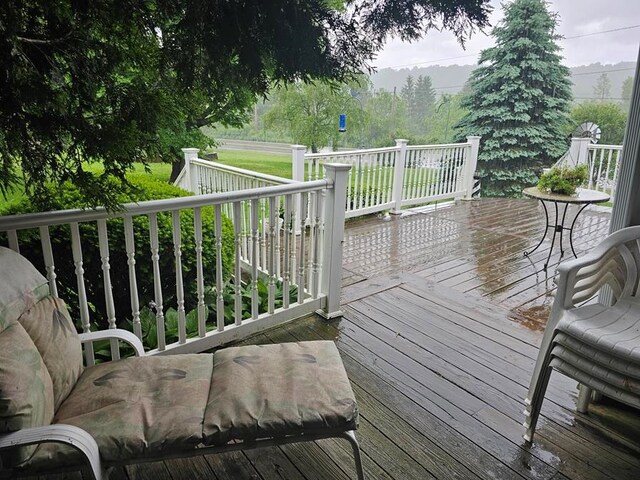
x=608 y=116
x=519 y=100
x=119 y=81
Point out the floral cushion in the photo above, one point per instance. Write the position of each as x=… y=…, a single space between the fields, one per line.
x=50 y=327
x=22 y=286
x=264 y=391
x=136 y=408
x=26 y=391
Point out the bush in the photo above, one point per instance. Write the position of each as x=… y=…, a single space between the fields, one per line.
x=145 y=188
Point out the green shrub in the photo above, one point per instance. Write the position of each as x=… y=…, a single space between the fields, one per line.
x=145 y=188
x=563 y=180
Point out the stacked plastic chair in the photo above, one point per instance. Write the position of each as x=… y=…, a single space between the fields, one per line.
x=597 y=344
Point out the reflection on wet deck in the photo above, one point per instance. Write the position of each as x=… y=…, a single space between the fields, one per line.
x=442 y=318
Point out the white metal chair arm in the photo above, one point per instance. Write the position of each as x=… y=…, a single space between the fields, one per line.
x=116 y=333
x=59 y=433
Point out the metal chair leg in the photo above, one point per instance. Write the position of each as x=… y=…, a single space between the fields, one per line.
x=350 y=436
x=584 y=398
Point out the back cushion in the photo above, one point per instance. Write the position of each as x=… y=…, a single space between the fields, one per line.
x=50 y=327
x=26 y=391
x=21 y=286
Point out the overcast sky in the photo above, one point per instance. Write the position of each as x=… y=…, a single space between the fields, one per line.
x=583 y=17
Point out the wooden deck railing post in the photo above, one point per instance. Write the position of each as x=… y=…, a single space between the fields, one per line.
x=190 y=169
x=398 y=175
x=334 y=238
x=472 y=163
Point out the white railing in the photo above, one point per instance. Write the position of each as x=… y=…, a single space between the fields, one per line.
x=603 y=162
x=253 y=269
x=604 y=165
x=394 y=177
x=203 y=176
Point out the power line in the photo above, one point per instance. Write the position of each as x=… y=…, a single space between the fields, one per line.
x=603 y=71
x=601 y=32
x=478 y=53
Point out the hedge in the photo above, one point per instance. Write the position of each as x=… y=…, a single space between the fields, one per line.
x=145 y=188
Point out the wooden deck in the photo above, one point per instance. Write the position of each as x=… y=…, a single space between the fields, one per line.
x=442 y=318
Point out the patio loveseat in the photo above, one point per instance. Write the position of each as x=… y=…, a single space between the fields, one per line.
x=55 y=413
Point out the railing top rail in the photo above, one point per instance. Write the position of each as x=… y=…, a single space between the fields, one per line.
x=241 y=171
x=350 y=152
x=437 y=146
x=32 y=220
x=605 y=147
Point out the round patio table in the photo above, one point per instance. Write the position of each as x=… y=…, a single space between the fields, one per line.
x=582 y=197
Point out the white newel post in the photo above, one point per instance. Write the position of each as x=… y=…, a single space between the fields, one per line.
x=335 y=203
x=398 y=175
x=579 y=151
x=190 y=169
x=472 y=163
x=297 y=174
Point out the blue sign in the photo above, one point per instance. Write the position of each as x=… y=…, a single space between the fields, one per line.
x=343 y=123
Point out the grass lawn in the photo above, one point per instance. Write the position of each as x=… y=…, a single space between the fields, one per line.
x=269 y=163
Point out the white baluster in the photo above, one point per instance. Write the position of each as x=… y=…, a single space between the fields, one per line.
x=133 y=283
x=197 y=229
x=177 y=254
x=255 y=240
x=286 y=249
x=237 y=231
x=318 y=236
x=157 y=282
x=12 y=236
x=49 y=265
x=272 y=255
x=301 y=258
x=219 y=279
x=76 y=250
x=103 y=242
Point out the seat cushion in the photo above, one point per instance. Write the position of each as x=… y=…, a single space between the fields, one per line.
x=136 y=408
x=264 y=391
x=26 y=391
x=50 y=327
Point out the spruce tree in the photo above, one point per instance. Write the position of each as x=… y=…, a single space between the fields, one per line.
x=519 y=100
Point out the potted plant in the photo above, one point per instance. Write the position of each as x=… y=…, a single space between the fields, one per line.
x=563 y=180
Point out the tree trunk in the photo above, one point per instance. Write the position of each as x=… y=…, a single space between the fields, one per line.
x=176 y=167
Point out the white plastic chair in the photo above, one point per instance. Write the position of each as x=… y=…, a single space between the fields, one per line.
x=596 y=344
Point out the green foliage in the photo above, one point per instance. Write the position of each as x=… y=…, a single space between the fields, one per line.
x=309 y=113
x=420 y=99
x=602 y=88
x=608 y=116
x=149 y=325
x=563 y=180
x=448 y=112
x=385 y=119
x=518 y=101
x=120 y=82
x=146 y=188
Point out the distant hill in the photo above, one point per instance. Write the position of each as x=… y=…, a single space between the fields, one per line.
x=451 y=79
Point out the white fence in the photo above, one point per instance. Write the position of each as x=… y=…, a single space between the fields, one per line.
x=380 y=179
x=253 y=269
x=603 y=162
x=391 y=178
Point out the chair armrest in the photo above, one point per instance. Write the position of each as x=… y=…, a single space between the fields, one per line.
x=59 y=433
x=117 y=333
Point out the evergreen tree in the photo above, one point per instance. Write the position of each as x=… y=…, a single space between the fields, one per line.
x=425 y=101
x=519 y=100
x=602 y=88
x=408 y=94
